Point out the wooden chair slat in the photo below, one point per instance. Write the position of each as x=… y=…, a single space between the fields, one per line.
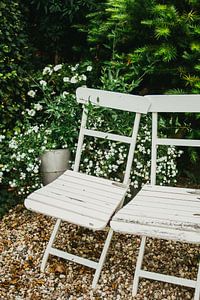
x=113 y=100
x=174 y=103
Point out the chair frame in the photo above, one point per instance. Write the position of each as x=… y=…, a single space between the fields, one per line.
x=113 y=100
x=179 y=104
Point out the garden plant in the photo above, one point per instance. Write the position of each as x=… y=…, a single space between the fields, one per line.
x=51 y=122
x=47 y=50
x=139 y=47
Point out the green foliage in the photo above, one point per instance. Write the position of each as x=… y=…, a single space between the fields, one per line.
x=108 y=159
x=14 y=57
x=137 y=46
x=52 y=27
x=150 y=47
x=167 y=34
x=54 y=105
x=50 y=122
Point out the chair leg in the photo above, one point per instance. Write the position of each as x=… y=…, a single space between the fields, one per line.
x=138 y=266
x=50 y=243
x=197 y=288
x=102 y=258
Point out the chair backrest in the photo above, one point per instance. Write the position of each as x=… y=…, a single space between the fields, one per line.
x=170 y=104
x=120 y=101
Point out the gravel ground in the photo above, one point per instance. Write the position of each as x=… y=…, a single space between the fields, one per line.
x=24 y=235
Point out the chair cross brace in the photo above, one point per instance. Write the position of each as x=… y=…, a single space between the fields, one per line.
x=75 y=258
x=139 y=273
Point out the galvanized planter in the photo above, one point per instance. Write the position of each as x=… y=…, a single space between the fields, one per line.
x=53 y=164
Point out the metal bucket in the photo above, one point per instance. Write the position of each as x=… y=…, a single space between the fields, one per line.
x=53 y=164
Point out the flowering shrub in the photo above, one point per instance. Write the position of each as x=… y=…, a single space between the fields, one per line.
x=21 y=162
x=54 y=103
x=50 y=122
x=108 y=159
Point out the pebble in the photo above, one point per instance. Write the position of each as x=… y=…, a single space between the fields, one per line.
x=23 y=238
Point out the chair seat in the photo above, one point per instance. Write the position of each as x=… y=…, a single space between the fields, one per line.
x=78 y=198
x=162 y=212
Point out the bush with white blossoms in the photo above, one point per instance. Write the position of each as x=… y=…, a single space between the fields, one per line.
x=53 y=102
x=109 y=158
x=50 y=122
x=20 y=170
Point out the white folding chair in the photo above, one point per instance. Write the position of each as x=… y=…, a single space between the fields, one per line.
x=164 y=212
x=82 y=199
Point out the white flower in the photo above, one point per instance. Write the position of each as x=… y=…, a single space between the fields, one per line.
x=57 y=67
x=48 y=131
x=35 y=128
x=30 y=150
x=31 y=112
x=83 y=77
x=89 y=68
x=47 y=70
x=30 y=167
x=66 y=79
x=13 y=144
x=31 y=93
x=43 y=83
x=38 y=106
x=74 y=68
x=36 y=169
x=65 y=94
x=2 y=137
x=13 y=183
x=64 y=146
x=74 y=79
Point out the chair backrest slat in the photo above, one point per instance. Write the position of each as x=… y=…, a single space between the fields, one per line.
x=174 y=103
x=113 y=100
x=170 y=104
x=109 y=136
x=178 y=142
